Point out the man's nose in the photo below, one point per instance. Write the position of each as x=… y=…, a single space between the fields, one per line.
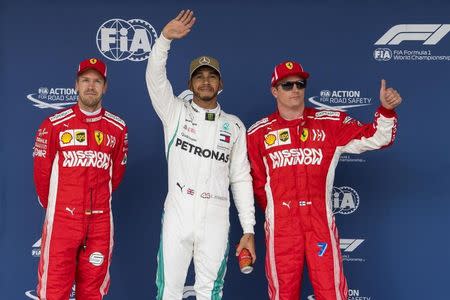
x=295 y=87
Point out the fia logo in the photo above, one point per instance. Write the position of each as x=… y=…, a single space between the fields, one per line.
x=344 y=200
x=382 y=54
x=119 y=40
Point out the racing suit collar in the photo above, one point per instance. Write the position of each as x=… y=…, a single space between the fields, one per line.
x=292 y=123
x=199 y=110
x=87 y=119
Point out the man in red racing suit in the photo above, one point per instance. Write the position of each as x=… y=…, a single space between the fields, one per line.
x=79 y=158
x=293 y=154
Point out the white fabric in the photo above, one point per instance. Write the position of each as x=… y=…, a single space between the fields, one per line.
x=195 y=221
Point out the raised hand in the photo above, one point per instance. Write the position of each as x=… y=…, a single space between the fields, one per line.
x=389 y=97
x=180 y=26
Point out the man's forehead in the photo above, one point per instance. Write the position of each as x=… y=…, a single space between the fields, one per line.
x=206 y=69
x=91 y=73
x=291 y=78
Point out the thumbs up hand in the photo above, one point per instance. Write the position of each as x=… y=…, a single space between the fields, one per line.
x=389 y=97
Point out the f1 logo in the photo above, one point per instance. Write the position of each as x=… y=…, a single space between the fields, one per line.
x=349 y=245
x=431 y=34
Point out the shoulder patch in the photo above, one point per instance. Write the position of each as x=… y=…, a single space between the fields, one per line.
x=262 y=121
x=348 y=119
x=327 y=113
x=115 y=118
x=60 y=115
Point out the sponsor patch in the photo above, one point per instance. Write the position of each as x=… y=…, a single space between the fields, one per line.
x=110 y=141
x=270 y=139
x=296 y=156
x=80 y=136
x=204 y=153
x=348 y=119
x=262 y=121
x=327 y=113
x=42 y=132
x=87 y=158
x=61 y=115
x=73 y=137
x=39 y=152
x=96 y=259
x=277 y=138
x=318 y=135
x=226 y=126
x=225 y=137
x=96 y=119
x=284 y=135
x=210 y=116
x=66 y=138
x=114 y=117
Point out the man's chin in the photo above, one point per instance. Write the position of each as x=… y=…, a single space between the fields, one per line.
x=206 y=98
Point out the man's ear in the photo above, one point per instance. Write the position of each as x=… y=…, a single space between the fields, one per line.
x=274 y=91
x=105 y=88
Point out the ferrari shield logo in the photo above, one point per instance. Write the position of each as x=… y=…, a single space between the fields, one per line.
x=304 y=135
x=98 y=137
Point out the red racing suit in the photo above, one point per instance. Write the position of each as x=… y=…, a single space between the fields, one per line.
x=293 y=164
x=78 y=161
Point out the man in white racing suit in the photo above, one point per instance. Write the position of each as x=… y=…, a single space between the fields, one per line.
x=206 y=153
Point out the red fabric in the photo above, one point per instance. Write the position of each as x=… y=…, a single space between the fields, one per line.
x=292 y=165
x=92 y=63
x=287 y=68
x=74 y=157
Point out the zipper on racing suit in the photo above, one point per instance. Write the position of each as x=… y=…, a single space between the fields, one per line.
x=88 y=213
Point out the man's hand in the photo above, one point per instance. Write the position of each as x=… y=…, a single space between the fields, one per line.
x=247 y=241
x=389 y=97
x=180 y=26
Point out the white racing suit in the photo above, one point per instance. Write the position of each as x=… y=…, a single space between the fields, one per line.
x=204 y=158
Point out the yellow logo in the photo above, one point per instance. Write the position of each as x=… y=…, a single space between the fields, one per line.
x=66 y=138
x=284 y=136
x=98 y=137
x=93 y=61
x=80 y=136
x=289 y=65
x=304 y=135
x=270 y=139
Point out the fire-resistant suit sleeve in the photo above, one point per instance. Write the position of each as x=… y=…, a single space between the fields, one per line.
x=258 y=170
x=44 y=152
x=354 y=137
x=241 y=181
x=120 y=159
x=159 y=87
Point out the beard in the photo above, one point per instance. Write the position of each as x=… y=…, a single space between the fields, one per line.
x=90 y=100
x=205 y=97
